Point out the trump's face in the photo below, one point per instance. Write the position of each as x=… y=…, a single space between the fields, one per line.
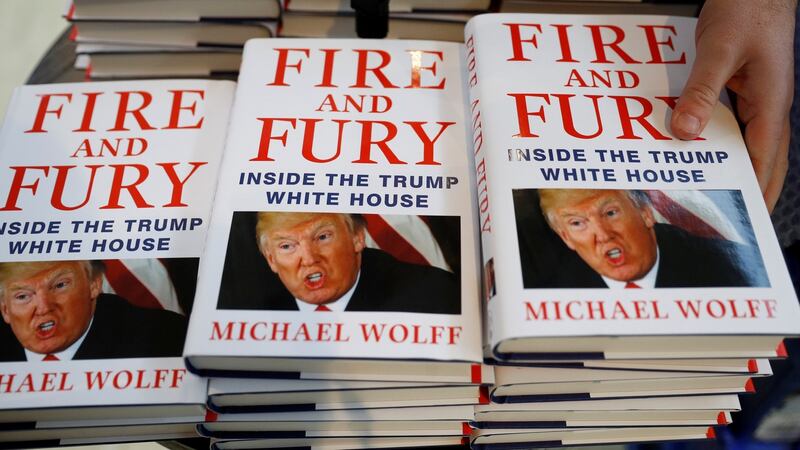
x=50 y=306
x=317 y=259
x=613 y=235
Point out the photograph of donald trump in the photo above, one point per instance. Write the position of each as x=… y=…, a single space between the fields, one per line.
x=611 y=238
x=322 y=263
x=56 y=311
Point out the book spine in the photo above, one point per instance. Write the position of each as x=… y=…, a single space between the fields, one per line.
x=479 y=149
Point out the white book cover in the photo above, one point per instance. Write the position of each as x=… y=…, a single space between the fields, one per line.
x=344 y=221
x=106 y=192
x=604 y=235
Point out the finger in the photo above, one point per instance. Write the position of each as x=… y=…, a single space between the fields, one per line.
x=714 y=65
x=779 y=170
x=763 y=135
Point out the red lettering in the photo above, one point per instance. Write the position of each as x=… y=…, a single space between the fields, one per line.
x=515 y=36
x=118 y=185
x=267 y=137
x=17 y=186
x=600 y=46
x=177 y=183
x=88 y=111
x=626 y=119
x=521 y=103
x=280 y=70
x=44 y=103
x=417 y=68
x=123 y=111
x=177 y=107
x=656 y=57
x=362 y=69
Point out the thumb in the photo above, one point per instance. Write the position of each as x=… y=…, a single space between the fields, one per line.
x=713 y=67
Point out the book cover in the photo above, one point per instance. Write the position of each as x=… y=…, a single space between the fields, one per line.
x=343 y=235
x=105 y=193
x=604 y=236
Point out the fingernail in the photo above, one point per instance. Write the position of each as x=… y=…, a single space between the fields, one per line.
x=688 y=123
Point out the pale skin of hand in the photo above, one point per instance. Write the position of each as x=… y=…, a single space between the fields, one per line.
x=746 y=46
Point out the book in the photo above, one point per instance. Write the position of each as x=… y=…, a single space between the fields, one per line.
x=511 y=416
x=104 y=215
x=172 y=10
x=403 y=321
x=405 y=6
x=527 y=384
x=521 y=439
x=543 y=142
x=429 y=25
x=181 y=34
x=115 y=433
x=265 y=430
x=341 y=443
x=688 y=8
x=726 y=402
x=232 y=395
x=155 y=64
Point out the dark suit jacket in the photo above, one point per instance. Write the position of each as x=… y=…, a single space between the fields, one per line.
x=385 y=284
x=119 y=330
x=686 y=260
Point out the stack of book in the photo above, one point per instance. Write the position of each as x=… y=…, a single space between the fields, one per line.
x=174 y=38
x=359 y=226
x=411 y=19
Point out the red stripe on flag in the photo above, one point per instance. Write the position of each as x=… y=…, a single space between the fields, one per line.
x=681 y=217
x=476 y=374
x=73 y=33
x=749 y=386
x=466 y=430
x=71 y=12
x=391 y=241
x=211 y=416
x=711 y=434
x=464 y=441
x=752 y=366
x=127 y=286
x=721 y=419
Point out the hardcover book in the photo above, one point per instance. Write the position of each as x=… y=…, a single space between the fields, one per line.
x=240 y=395
x=592 y=214
x=344 y=236
x=105 y=209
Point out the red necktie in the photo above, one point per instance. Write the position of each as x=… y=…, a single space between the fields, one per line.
x=322 y=308
x=632 y=285
x=50 y=357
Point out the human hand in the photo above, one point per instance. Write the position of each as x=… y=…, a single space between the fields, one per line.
x=746 y=45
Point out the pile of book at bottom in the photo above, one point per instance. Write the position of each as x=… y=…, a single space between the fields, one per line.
x=512 y=407
x=500 y=406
